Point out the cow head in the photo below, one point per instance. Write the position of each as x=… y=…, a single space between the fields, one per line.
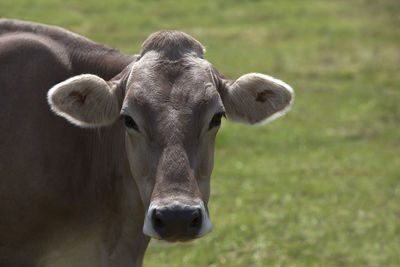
x=171 y=102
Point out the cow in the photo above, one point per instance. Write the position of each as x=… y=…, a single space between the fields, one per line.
x=101 y=151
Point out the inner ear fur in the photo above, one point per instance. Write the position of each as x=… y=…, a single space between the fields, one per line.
x=256 y=98
x=85 y=100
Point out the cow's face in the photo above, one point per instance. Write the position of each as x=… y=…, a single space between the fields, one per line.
x=172 y=111
x=171 y=102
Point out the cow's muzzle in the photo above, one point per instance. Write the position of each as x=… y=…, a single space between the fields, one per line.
x=176 y=220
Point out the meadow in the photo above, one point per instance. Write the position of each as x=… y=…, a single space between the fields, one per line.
x=318 y=187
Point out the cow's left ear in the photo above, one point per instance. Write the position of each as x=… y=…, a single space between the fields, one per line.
x=255 y=98
x=85 y=100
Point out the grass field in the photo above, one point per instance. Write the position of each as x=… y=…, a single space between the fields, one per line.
x=319 y=187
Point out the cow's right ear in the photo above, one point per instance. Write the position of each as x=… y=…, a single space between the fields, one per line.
x=85 y=100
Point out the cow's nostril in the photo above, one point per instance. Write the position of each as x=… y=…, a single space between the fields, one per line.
x=158 y=223
x=196 y=222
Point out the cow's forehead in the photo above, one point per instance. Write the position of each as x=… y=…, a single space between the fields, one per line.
x=184 y=83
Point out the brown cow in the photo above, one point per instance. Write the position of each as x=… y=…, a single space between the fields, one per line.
x=139 y=163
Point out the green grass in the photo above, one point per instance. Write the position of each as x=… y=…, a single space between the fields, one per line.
x=319 y=187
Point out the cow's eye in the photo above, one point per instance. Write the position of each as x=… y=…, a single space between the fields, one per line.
x=216 y=120
x=130 y=123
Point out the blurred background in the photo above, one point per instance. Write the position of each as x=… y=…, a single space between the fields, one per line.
x=318 y=187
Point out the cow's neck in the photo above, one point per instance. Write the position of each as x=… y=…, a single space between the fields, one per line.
x=111 y=232
x=131 y=243
x=124 y=239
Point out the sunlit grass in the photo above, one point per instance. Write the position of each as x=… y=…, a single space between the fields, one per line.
x=319 y=187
